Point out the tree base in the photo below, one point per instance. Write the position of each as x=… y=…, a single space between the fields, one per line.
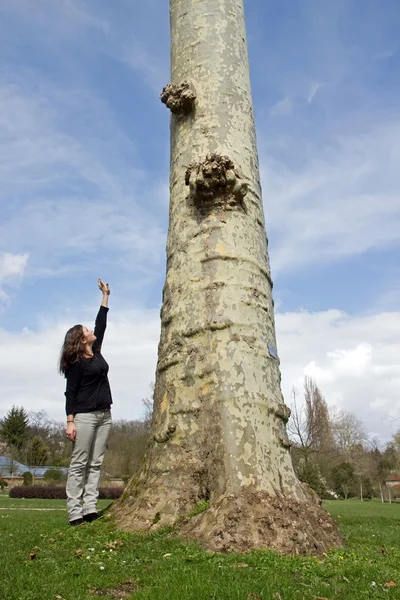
x=254 y=520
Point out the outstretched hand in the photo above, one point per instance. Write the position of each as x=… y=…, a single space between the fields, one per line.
x=104 y=287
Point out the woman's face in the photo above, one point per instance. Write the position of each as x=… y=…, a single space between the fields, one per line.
x=88 y=335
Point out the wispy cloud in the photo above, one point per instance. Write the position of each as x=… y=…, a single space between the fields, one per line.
x=12 y=269
x=73 y=181
x=281 y=108
x=313 y=91
x=342 y=200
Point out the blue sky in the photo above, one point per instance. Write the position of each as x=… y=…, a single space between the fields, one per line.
x=84 y=159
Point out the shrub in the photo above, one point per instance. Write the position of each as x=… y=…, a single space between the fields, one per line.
x=28 y=478
x=3 y=483
x=59 y=493
x=53 y=475
x=309 y=472
x=111 y=493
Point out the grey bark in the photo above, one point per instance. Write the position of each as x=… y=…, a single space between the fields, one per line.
x=219 y=424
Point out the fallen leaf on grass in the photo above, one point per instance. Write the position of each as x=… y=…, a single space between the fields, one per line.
x=32 y=556
x=52 y=540
x=345 y=579
x=115 y=543
x=320 y=598
x=240 y=566
x=253 y=597
x=277 y=596
x=118 y=592
x=390 y=584
x=58 y=597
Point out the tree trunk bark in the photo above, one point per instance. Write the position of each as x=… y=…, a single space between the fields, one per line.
x=219 y=422
x=381 y=492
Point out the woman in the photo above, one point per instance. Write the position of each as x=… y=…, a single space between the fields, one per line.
x=88 y=402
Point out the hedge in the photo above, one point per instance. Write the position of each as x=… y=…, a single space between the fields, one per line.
x=59 y=493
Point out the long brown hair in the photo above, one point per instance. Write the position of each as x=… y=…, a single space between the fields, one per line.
x=72 y=349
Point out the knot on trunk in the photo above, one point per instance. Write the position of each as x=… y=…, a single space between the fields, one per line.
x=285 y=442
x=180 y=99
x=216 y=182
x=282 y=412
x=166 y=435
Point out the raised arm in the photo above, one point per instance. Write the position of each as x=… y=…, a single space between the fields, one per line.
x=101 y=319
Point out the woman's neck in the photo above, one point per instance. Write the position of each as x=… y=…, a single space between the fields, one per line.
x=88 y=351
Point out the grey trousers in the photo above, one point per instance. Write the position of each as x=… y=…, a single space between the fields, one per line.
x=92 y=431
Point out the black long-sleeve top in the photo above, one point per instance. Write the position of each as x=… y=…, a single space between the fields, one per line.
x=88 y=387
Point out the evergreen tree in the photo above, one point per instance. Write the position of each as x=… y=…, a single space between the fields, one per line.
x=38 y=452
x=14 y=428
x=343 y=476
x=309 y=472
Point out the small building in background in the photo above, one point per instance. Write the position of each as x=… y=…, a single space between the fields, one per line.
x=12 y=471
x=393 y=486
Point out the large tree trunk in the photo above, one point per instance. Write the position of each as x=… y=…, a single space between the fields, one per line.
x=219 y=424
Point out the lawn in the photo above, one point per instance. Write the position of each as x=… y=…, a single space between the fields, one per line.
x=43 y=558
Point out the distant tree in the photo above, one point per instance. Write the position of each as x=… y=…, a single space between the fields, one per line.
x=360 y=458
x=37 y=452
x=309 y=425
x=14 y=428
x=309 y=472
x=343 y=477
x=367 y=487
x=40 y=425
x=53 y=475
x=348 y=432
x=318 y=419
x=28 y=478
x=3 y=483
x=126 y=447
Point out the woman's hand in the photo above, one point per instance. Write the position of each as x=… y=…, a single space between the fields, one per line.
x=104 y=287
x=71 y=431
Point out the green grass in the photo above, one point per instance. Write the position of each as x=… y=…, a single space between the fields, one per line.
x=7 y=502
x=76 y=563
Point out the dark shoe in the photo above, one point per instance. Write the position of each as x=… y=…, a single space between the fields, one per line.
x=76 y=522
x=91 y=517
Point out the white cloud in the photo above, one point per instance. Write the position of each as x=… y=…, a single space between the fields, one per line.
x=130 y=347
x=353 y=362
x=12 y=270
x=12 y=265
x=353 y=359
